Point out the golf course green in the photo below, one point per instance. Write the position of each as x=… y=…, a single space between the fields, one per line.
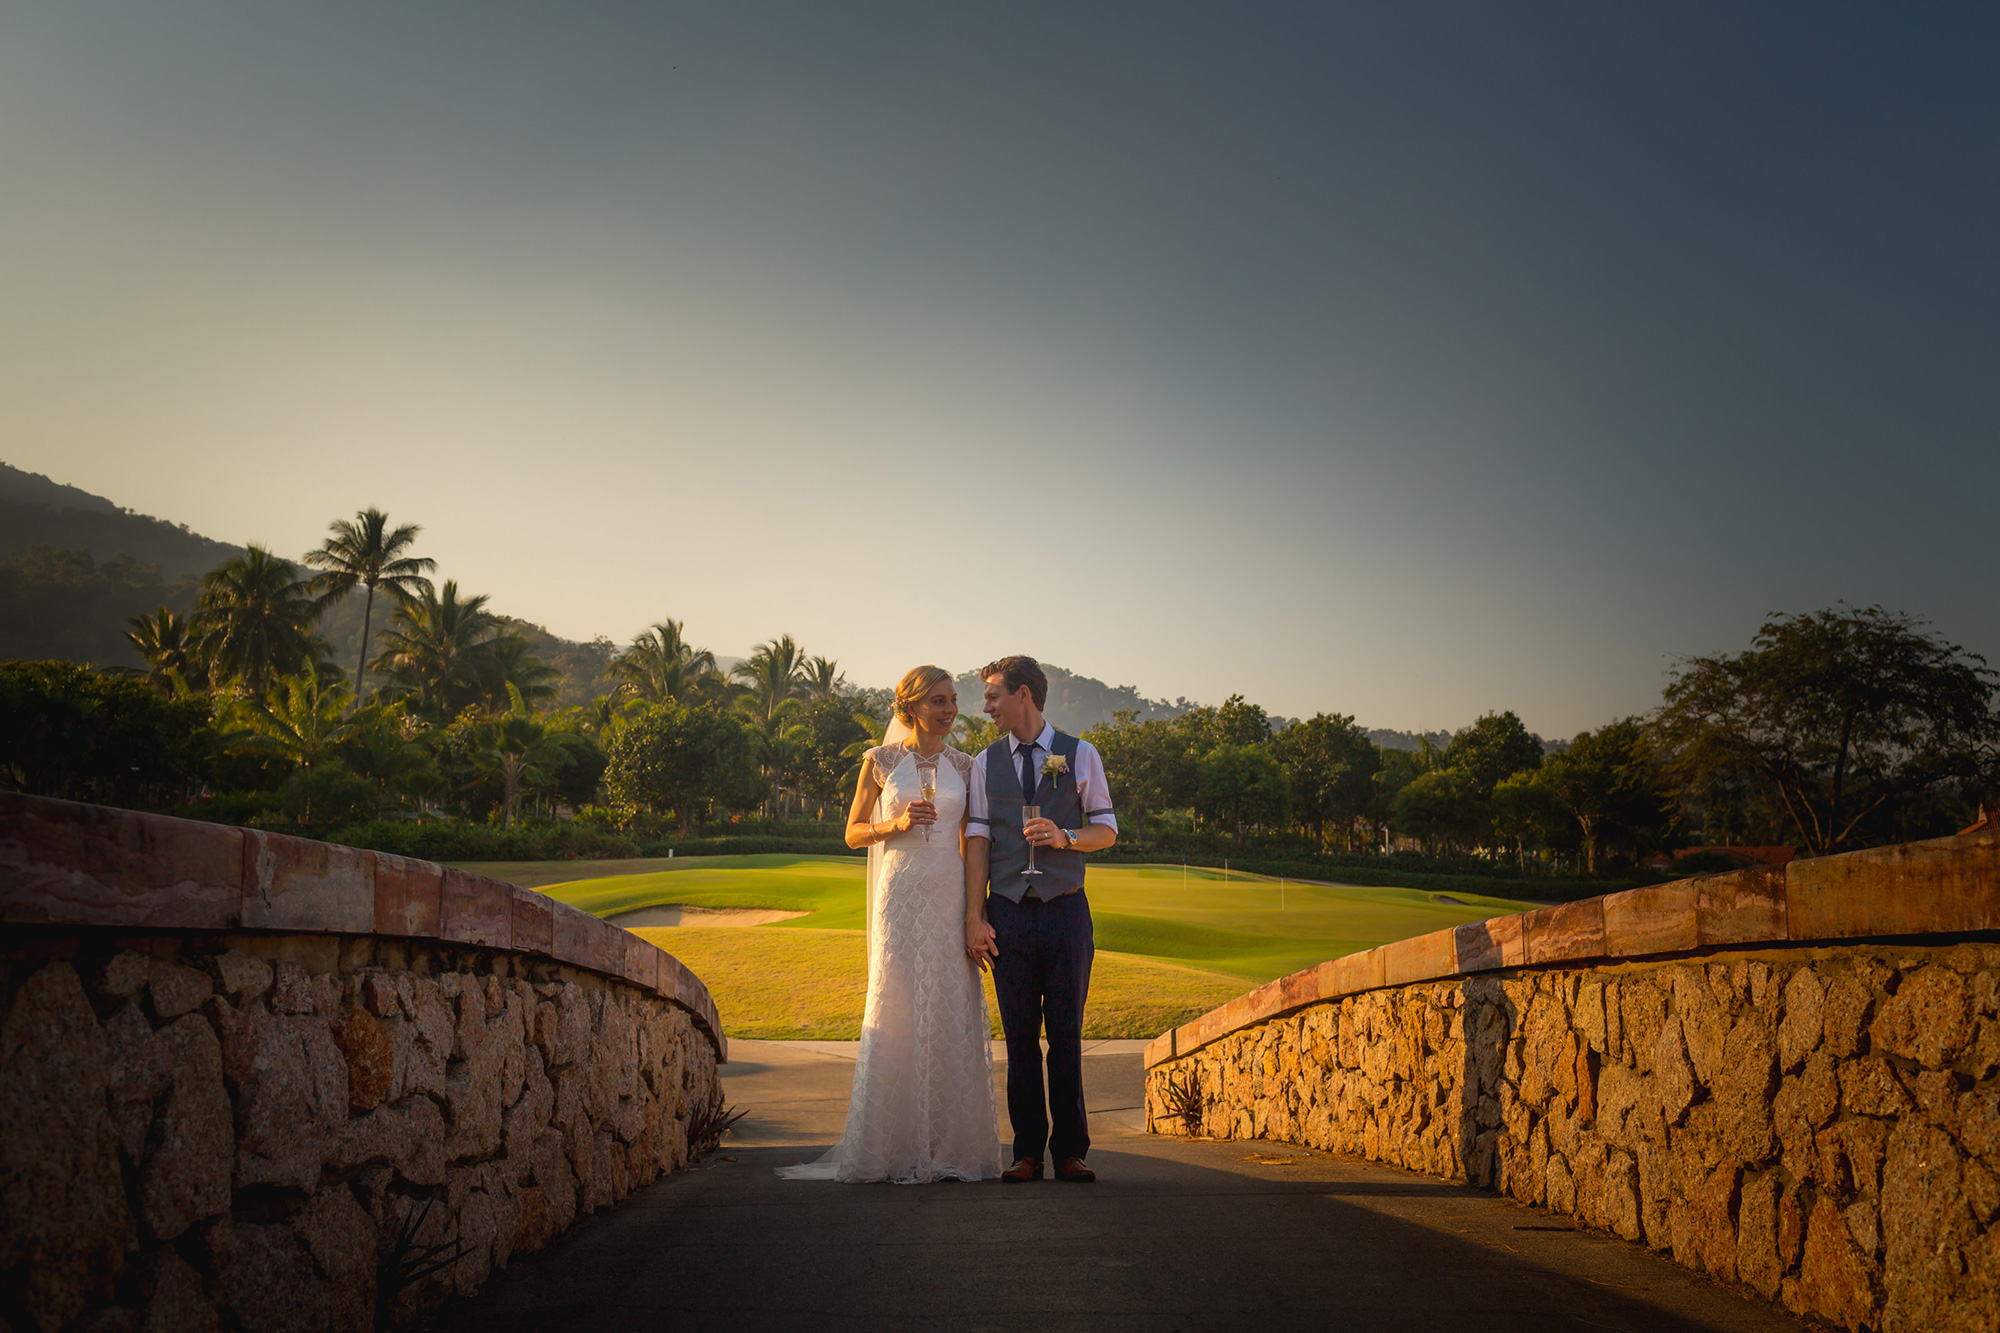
x=1172 y=941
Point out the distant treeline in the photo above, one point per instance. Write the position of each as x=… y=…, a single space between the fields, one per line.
x=349 y=695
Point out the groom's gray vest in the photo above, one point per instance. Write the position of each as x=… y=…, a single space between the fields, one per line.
x=1060 y=801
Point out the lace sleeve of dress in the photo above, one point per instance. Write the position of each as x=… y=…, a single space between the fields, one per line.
x=961 y=761
x=882 y=761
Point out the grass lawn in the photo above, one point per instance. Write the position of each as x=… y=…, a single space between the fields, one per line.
x=810 y=984
x=1171 y=943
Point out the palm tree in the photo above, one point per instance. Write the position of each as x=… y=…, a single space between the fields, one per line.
x=520 y=752
x=166 y=643
x=440 y=648
x=820 y=678
x=661 y=666
x=299 y=718
x=511 y=665
x=253 y=620
x=368 y=553
x=774 y=678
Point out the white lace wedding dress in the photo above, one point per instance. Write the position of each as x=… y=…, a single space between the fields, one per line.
x=922 y=1107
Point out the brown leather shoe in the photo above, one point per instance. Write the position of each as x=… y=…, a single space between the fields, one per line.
x=1024 y=1170
x=1075 y=1172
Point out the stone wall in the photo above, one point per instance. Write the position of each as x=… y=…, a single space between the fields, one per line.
x=275 y=1128
x=1818 y=1124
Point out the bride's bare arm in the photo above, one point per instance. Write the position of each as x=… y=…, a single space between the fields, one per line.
x=861 y=830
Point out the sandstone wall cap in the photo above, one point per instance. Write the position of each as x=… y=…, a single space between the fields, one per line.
x=1941 y=886
x=69 y=863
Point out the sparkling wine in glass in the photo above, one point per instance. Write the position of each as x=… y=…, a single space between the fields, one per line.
x=927 y=786
x=1029 y=813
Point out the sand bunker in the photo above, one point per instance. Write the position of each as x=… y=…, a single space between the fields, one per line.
x=674 y=914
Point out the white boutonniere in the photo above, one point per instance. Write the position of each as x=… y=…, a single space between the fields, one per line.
x=1053 y=768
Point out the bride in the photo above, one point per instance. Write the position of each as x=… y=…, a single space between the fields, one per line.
x=922 y=1107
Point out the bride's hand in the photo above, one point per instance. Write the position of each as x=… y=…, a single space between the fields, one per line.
x=980 y=942
x=915 y=815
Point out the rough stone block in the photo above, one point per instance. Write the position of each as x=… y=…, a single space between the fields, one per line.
x=298 y=884
x=1833 y=1275
x=1657 y=919
x=1928 y=1019
x=62 y=861
x=1917 y=888
x=1420 y=958
x=1566 y=932
x=61 y=1192
x=186 y=1175
x=1486 y=946
x=534 y=922
x=477 y=910
x=408 y=896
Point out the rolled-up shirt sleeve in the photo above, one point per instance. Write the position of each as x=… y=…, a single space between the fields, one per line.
x=1092 y=786
x=978 y=822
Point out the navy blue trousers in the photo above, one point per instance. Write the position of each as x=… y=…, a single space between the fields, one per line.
x=1041 y=979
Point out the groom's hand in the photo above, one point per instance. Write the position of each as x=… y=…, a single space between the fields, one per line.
x=980 y=942
x=1042 y=832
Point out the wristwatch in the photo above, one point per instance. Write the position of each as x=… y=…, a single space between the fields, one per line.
x=1069 y=839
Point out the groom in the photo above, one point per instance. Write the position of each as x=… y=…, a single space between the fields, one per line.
x=1036 y=928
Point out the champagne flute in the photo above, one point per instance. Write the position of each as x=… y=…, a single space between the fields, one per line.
x=1030 y=813
x=927 y=787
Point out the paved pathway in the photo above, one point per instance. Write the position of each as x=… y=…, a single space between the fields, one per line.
x=1174 y=1235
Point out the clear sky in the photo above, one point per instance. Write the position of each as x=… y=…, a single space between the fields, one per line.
x=1401 y=360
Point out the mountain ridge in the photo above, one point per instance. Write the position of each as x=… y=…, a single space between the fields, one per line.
x=55 y=604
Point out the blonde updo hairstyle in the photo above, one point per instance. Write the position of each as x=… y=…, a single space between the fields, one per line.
x=911 y=689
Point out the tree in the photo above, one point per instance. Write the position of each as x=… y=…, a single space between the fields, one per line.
x=299 y=718
x=1527 y=814
x=438 y=648
x=1151 y=766
x=684 y=760
x=661 y=667
x=773 y=675
x=1239 y=785
x=1835 y=718
x=511 y=667
x=820 y=678
x=1602 y=779
x=1330 y=765
x=67 y=731
x=1444 y=808
x=253 y=621
x=827 y=729
x=1496 y=746
x=773 y=680
x=168 y=646
x=368 y=553
x=520 y=753
x=383 y=749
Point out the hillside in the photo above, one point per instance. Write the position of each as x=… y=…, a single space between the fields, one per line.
x=1076 y=703
x=35 y=511
x=74 y=566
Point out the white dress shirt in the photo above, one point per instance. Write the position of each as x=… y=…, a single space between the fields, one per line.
x=1090 y=783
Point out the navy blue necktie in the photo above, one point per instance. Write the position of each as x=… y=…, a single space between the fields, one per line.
x=1028 y=772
